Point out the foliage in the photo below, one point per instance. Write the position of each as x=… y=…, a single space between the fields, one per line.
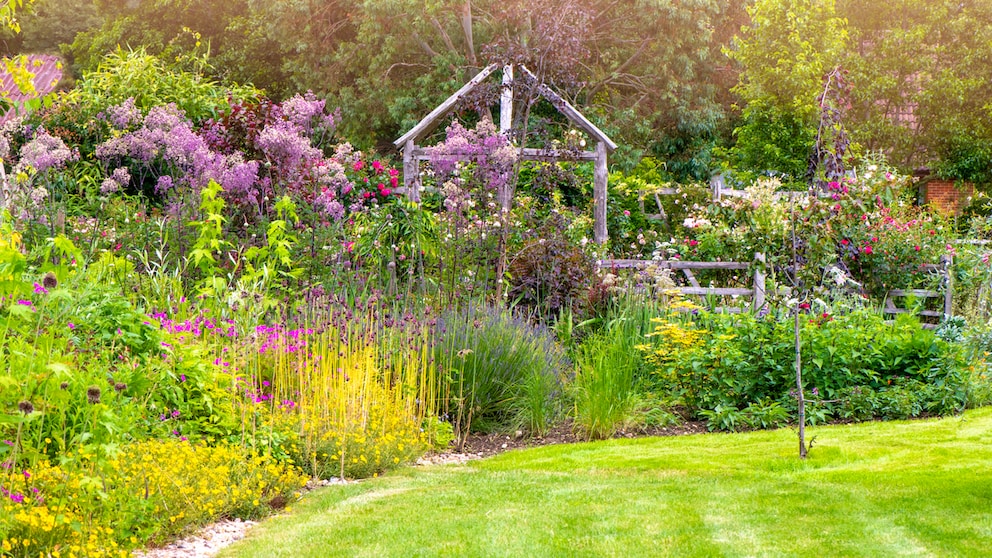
x=786 y=52
x=549 y=274
x=135 y=74
x=918 y=75
x=496 y=370
x=605 y=382
x=731 y=369
x=355 y=409
x=145 y=492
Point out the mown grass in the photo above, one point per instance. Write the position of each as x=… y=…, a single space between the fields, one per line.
x=919 y=488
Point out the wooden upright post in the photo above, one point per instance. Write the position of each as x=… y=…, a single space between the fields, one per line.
x=758 y=302
x=947 y=260
x=506 y=101
x=600 y=181
x=411 y=172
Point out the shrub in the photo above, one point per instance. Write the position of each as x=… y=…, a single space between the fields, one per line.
x=730 y=369
x=350 y=408
x=550 y=274
x=496 y=371
x=99 y=505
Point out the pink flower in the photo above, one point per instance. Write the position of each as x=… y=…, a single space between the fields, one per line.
x=394 y=182
x=394 y=173
x=845 y=242
x=917 y=248
x=868 y=250
x=359 y=165
x=367 y=195
x=626 y=213
x=386 y=192
x=377 y=166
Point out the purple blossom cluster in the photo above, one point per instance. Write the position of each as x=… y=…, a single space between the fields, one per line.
x=123 y=116
x=43 y=152
x=489 y=152
x=284 y=141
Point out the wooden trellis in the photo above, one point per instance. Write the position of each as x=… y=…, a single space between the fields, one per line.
x=413 y=153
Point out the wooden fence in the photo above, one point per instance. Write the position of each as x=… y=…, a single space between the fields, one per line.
x=946 y=293
x=757 y=292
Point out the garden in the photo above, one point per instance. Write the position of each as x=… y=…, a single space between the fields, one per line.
x=211 y=301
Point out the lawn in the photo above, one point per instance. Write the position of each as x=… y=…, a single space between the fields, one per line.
x=918 y=488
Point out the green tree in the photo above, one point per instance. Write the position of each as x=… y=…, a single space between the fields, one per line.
x=921 y=72
x=785 y=53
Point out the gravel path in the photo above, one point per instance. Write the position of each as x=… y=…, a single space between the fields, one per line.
x=205 y=543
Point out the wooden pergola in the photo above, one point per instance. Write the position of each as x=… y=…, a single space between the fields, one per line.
x=413 y=153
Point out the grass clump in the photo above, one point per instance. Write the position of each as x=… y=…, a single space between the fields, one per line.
x=498 y=371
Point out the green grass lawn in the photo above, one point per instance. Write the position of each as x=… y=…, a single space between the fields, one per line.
x=921 y=488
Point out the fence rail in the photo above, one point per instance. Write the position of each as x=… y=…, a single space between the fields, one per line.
x=757 y=291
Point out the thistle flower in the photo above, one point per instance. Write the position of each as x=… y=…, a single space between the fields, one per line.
x=50 y=281
x=25 y=407
x=93 y=395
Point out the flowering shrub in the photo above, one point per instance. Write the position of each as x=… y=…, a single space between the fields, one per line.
x=148 y=492
x=861 y=228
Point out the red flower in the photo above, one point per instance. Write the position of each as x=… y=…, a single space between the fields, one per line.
x=868 y=250
x=917 y=248
x=845 y=242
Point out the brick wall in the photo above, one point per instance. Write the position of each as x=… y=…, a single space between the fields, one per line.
x=945 y=196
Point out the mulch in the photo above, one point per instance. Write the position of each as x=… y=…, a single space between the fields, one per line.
x=486 y=445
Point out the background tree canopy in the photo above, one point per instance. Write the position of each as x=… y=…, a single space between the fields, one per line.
x=666 y=78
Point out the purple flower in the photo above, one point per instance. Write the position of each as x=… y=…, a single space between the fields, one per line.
x=45 y=152
x=39 y=289
x=124 y=115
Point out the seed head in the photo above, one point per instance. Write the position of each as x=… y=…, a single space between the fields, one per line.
x=25 y=407
x=93 y=395
x=50 y=281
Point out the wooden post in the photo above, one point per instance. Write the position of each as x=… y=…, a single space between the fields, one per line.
x=947 y=260
x=411 y=172
x=716 y=183
x=758 y=303
x=506 y=101
x=600 y=181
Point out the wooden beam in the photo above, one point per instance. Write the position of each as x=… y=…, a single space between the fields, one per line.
x=431 y=121
x=669 y=264
x=572 y=113
x=528 y=154
x=599 y=195
x=716 y=291
x=759 y=282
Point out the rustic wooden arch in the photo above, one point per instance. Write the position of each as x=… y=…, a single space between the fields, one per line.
x=413 y=153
